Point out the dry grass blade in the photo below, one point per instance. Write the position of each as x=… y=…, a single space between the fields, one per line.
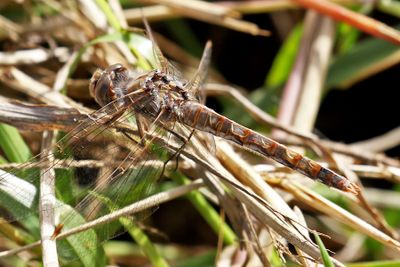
x=198 y=8
x=265 y=215
x=383 y=198
x=301 y=97
x=134 y=15
x=47 y=203
x=366 y=171
x=251 y=7
x=374 y=69
x=259 y=208
x=357 y=20
x=302 y=221
x=325 y=206
x=152 y=13
x=218 y=8
x=9 y=28
x=380 y=143
x=373 y=212
x=17 y=79
x=33 y=56
x=315 y=72
x=247 y=176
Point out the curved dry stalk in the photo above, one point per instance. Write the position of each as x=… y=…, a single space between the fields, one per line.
x=380 y=143
x=138 y=206
x=264 y=118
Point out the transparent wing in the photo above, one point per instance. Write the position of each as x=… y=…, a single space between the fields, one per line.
x=195 y=84
x=119 y=171
x=162 y=63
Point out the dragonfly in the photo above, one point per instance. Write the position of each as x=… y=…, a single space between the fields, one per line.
x=162 y=97
x=166 y=100
x=161 y=103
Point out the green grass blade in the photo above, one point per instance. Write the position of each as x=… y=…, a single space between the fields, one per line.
x=348 y=67
x=208 y=212
x=148 y=248
x=391 y=7
x=13 y=145
x=2 y=160
x=113 y=21
x=144 y=242
x=324 y=253
x=394 y=263
x=83 y=247
x=204 y=260
x=182 y=32
x=347 y=34
x=347 y=37
x=283 y=61
x=19 y=204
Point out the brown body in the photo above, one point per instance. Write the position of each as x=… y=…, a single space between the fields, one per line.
x=158 y=96
x=204 y=119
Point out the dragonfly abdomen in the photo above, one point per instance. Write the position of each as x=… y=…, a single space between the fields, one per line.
x=204 y=119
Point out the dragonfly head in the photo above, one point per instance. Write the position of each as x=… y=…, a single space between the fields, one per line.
x=109 y=84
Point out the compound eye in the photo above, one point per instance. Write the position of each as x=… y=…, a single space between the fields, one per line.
x=118 y=74
x=115 y=67
x=110 y=84
x=93 y=81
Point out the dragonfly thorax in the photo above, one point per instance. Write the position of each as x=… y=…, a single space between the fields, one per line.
x=166 y=94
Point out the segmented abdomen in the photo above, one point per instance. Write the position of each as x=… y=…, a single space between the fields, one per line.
x=204 y=119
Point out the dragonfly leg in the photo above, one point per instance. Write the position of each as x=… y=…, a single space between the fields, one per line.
x=177 y=152
x=140 y=127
